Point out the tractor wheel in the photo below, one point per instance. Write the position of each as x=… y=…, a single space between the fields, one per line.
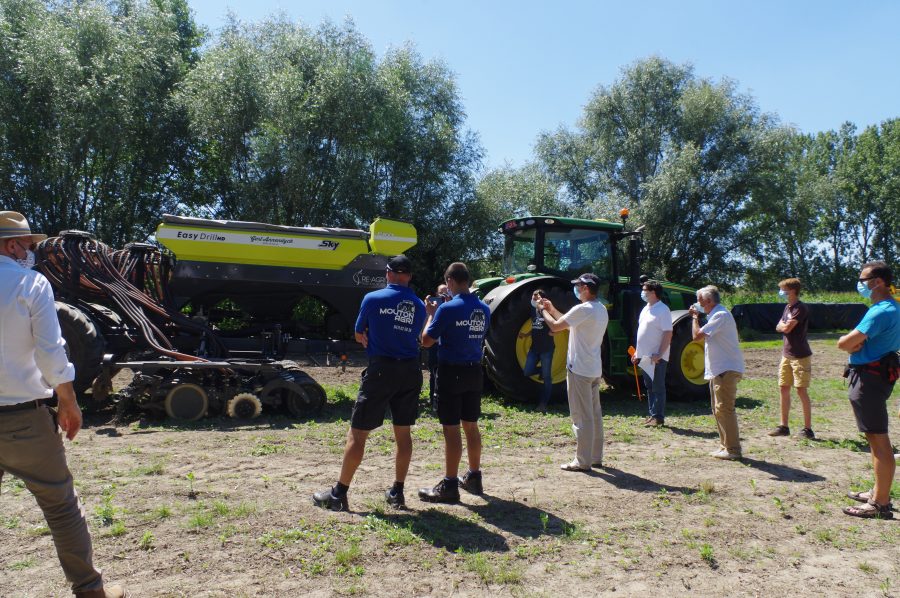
x=505 y=352
x=684 y=376
x=84 y=345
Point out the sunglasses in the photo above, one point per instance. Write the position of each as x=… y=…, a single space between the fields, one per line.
x=867 y=279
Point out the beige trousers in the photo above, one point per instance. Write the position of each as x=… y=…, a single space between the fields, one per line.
x=723 y=394
x=31 y=449
x=587 y=418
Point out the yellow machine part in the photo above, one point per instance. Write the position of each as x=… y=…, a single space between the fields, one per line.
x=560 y=342
x=391 y=237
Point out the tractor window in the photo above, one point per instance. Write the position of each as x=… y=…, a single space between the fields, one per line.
x=575 y=252
x=519 y=252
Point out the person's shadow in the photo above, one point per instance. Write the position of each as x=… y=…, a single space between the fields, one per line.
x=783 y=473
x=629 y=481
x=692 y=433
x=444 y=530
x=518 y=518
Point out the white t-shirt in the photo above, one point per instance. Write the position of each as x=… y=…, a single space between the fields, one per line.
x=652 y=323
x=587 y=324
x=722 y=350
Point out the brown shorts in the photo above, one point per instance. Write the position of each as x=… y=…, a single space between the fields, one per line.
x=795 y=371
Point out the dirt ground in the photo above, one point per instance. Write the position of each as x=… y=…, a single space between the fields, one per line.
x=222 y=508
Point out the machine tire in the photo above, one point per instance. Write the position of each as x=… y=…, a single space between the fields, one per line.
x=186 y=401
x=84 y=345
x=501 y=363
x=684 y=375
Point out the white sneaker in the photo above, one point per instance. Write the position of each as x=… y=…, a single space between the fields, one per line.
x=726 y=456
x=573 y=466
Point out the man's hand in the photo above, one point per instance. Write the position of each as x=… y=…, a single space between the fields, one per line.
x=546 y=305
x=68 y=414
x=655 y=358
x=635 y=359
x=363 y=339
x=431 y=304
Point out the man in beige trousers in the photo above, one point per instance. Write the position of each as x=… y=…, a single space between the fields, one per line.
x=33 y=364
x=724 y=367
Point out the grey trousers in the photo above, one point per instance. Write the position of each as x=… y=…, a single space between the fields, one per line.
x=587 y=418
x=31 y=449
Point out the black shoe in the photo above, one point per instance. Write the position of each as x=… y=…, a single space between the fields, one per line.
x=327 y=500
x=445 y=491
x=395 y=500
x=807 y=433
x=471 y=482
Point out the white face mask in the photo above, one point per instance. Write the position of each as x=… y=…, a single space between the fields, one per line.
x=28 y=261
x=645 y=296
x=534 y=303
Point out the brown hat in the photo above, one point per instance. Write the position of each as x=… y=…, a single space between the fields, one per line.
x=13 y=225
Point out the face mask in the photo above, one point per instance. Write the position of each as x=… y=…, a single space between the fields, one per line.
x=699 y=308
x=28 y=261
x=781 y=293
x=645 y=296
x=863 y=289
x=534 y=303
x=575 y=290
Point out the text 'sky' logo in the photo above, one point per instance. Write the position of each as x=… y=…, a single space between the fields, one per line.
x=329 y=245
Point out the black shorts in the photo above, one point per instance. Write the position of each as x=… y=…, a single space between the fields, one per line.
x=458 y=390
x=388 y=383
x=869 y=394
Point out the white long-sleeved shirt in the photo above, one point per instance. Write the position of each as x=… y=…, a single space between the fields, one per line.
x=32 y=351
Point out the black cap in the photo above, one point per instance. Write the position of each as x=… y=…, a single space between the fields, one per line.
x=400 y=264
x=591 y=280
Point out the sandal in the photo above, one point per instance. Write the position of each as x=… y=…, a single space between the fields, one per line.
x=860 y=496
x=870 y=510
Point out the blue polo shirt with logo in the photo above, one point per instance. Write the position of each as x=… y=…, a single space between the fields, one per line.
x=460 y=325
x=881 y=325
x=393 y=317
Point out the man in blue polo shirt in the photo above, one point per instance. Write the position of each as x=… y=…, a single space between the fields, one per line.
x=460 y=325
x=872 y=372
x=388 y=326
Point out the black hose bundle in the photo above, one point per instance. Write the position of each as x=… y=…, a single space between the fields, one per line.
x=132 y=281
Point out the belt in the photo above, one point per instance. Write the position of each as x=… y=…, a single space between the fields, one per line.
x=23 y=406
x=458 y=364
x=386 y=359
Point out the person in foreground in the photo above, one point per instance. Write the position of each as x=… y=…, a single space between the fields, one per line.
x=388 y=326
x=33 y=365
x=796 y=358
x=872 y=372
x=586 y=323
x=723 y=367
x=460 y=325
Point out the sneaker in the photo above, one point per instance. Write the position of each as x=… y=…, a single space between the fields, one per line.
x=542 y=407
x=104 y=592
x=445 y=491
x=653 y=422
x=395 y=500
x=807 y=433
x=573 y=466
x=726 y=456
x=327 y=500
x=780 y=431
x=597 y=465
x=471 y=482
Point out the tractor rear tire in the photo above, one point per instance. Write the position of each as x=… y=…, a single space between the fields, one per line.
x=684 y=375
x=501 y=363
x=84 y=345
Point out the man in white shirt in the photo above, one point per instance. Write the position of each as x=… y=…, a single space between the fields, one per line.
x=586 y=323
x=724 y=367
x=33 y=364
x=654 y=335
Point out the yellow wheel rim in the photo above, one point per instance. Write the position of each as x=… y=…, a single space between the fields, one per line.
x=692 y=362
x=561 y=342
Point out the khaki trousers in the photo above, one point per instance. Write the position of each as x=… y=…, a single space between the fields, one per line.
x=31 y=449
x=723 y=394
x=587 y=418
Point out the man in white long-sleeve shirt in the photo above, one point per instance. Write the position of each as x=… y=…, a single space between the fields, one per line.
x=33 y=364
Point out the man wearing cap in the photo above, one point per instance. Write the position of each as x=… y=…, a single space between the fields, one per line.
x=389 y=323
x=586 y=323
x=460 y=325
x=33 y=364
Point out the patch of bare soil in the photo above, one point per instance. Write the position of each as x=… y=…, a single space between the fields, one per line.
x=223 y=508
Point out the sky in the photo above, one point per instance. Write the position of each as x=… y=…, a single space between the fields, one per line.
x=523 y=68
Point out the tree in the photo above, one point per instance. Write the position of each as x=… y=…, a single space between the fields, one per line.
x=679 y=151
x=89 y=135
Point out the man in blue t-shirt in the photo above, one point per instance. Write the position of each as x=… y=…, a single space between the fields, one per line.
x=872 y=372
x=459 y=325
x=389 y=324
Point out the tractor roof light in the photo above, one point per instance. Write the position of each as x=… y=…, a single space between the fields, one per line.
x=510 y=279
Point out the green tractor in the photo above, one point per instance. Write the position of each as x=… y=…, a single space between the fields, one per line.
x=548 y=252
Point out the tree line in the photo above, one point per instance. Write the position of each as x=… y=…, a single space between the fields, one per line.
x=113 y=113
